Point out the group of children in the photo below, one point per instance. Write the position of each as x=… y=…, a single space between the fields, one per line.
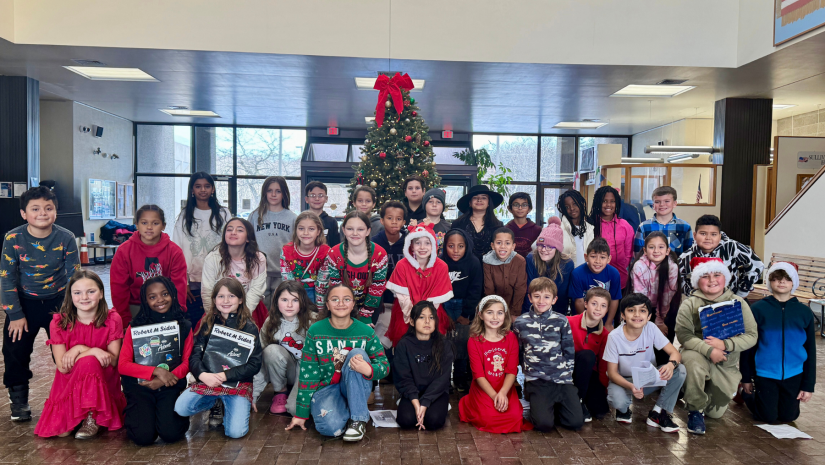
x=333 y=309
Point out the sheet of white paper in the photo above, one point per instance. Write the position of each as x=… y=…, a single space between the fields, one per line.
x=384 y=418
x=784 y=432
x=646 y=377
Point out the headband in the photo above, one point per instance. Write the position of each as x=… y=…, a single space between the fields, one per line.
x=489 y=298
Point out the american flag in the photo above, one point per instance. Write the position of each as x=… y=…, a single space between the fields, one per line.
x=699 y=190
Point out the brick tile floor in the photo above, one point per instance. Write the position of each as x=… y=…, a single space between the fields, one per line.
x=731 y=440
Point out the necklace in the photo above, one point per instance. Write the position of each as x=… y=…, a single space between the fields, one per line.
x=472 y=220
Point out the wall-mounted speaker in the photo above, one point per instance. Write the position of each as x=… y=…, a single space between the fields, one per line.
x=98 y=131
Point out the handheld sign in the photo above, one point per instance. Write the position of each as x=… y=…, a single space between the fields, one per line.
x=157 y=345
x=227 y=348
x=722 y=320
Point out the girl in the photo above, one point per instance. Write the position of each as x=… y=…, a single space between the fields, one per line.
x=340 y=358
x=478 y=217
x=357 y=262
x=423 y=360
x=228 y=309
x=274 y=222
x=237 y=257
x=547 y=260
x=197 y=231
x=577 y=231
x=413 y=188
x=492 y=404
x=656 y=275
x=604 y=215
x=282 y=339
x=85 y=337
x=420 y=276
x=363 y=200
x=302 y=258
x=151 y=392
x=147 y=254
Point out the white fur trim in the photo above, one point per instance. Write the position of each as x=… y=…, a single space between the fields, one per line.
x=438 y=300
x=787 y=268
x=706 y=268
x=415 y=234
x=398 y=290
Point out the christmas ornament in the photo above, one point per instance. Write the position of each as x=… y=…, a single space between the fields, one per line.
x=399 y=154
x=418 y=138
x=425 y=173
x=388 y=104
x=391 y=89
x=373 y=184
x=412 y=100
x=407 y=120
x=426 y=143
x=333 y=207
x=407 y=138
x=415 y=113
x=382 y=155
x=393 y=131
x=406 y=102
x=411 y=160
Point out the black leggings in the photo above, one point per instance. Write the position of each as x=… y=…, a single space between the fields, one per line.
x=434 y=417
x=775 y=400
x=150 y=414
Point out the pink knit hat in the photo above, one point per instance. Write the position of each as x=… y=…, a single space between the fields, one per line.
x=552 y=234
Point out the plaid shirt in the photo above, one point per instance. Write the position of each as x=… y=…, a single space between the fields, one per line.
x=677 y=231
x=244 y=390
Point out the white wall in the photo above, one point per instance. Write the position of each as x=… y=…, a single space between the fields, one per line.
x=799 y=232
x=690 y=131
x=56 y=152
x=755 y=31
x=761 y=201
x=7 y=20
x=786 y=170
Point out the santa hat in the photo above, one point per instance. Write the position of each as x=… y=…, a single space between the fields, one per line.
x=701 y=266
x=414 y=233
x=788 y=267
x=551 y=235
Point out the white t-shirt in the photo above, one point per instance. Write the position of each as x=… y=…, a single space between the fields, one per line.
x=579 y=258
x=636 y=353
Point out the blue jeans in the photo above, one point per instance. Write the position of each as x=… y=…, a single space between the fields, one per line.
x=332 y=406
x=194 y=309
x=310 y=293
x=453 y=308
x=235 y=410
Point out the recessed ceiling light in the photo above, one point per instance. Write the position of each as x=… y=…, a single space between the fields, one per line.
x=635 y=90
x=111 y=74
x=579 y=125
x=191 y=113
x=366 y=83
x=369 y=119
x=782 y=106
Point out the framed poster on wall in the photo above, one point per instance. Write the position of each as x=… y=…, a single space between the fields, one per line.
x=102 y=198
x=125 y=200
x=793 y=18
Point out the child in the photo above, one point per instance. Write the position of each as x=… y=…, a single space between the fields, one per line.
x=413 y=189
x=607 y=223
x=316 y=196
x=596 y=273
x=677 y=232
x=547 y=344
x=745 y=268
x=363 y=200
x=712 y=373
x=147 y=254
x=274 y=222
x=589 y=341
x=780 y=371
x=478 y=217
x=356 y=262
x=504 y=271
x=547 y=260
x=302 y=258
x=228 y=309
x=577 y=231
x=434 y=205
x=631 y=345
x=423 y=361
x=656 y=274
x=524 y=230
x=422 y=276
x=340 y=358
x=38 y=260
x=237 y=256
x=197 y=231
x=493 y=404
x=391 y=239
x=282 y=340
x=151 y=392
x=86 y=338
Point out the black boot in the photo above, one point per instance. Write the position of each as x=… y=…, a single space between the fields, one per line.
x=19 y=396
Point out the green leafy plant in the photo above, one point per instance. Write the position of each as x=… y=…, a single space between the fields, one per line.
x=497 y=182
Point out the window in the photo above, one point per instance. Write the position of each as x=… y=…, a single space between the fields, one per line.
x=504 y=215
x=694 y=185
x=558 y=157
x=169 y=193
x=332 y=152
x=213 y=150
x=551 y=198
x=444 y=155
x=164 y=149
x=453 y=194
x=270 y=152
x=249 y=196
x=518 y=153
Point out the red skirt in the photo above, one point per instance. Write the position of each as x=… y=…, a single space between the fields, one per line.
x=478 y=409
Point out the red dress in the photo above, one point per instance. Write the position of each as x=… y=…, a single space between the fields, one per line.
x=88 y=386
x=432 y=284
x=492 y=361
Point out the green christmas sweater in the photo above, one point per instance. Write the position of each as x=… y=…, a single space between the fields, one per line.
x=323 y=355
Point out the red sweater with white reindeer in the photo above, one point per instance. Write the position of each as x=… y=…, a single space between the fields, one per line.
x=135 y=262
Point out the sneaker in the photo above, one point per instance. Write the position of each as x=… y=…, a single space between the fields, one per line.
x=662 y=420
x=19 y=403
x=739 y=396
x=278 y=404
x=586 y=414
x=216 y=414
x=696 y=422
x=624 y=417
x=355 y=431
x=88 y=429
x=371 y=398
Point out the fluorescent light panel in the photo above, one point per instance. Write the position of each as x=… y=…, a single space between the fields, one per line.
x=782 y=106
x=191 y=113
x=579 y=125
x=96 y=73
x=635 y=90
x=366 y=83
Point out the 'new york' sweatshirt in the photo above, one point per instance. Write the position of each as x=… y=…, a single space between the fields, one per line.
x=272 y=233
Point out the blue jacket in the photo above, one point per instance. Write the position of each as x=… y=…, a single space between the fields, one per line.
x=562 y=282
x=786 y=346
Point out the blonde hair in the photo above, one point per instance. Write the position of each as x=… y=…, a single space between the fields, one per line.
x=551 y=269
x=308 y=215
x=477 y=326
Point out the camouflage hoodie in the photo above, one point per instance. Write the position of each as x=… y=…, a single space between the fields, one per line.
x=546 y=341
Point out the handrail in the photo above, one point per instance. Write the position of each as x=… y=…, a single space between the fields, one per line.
x=796 y=199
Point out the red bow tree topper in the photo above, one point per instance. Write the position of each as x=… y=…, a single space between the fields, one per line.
x=392 y=87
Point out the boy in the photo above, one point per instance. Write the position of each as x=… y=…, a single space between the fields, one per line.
x=434 y=204
x=525 y=231
x=711 y=363
x=589 y=340
x=745 y=267
x=413 y=189
x=505 y=271
x=547 y=344
x=780 y=371
x=391 y=238
x=316 y=197
x=631 y=345
x=595 y=272
x=38 y=260
x=677 y=231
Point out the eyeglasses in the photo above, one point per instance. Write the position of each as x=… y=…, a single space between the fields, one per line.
x=346 y=300
x=521 y=205
x=316 y=196
x=423 y=358
x=544 y=247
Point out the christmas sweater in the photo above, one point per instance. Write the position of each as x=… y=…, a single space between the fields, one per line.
x=325 y=350
x=333 y=272
x=303 y=268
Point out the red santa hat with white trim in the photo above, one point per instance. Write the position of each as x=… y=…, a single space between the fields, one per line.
x=701 y=266
x=788 y=267
x=414 y=233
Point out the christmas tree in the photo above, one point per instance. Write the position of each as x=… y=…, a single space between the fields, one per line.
x=397 y=144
